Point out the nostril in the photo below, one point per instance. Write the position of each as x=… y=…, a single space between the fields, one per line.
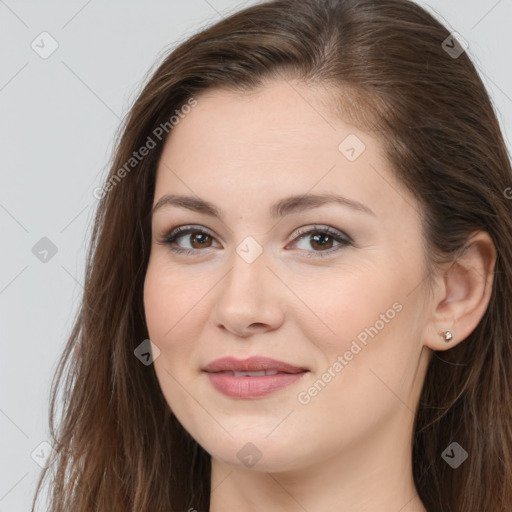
x=256 y=325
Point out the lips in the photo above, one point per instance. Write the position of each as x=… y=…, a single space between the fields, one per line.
x=255 y=364
x=251 y=378
x=260 y=373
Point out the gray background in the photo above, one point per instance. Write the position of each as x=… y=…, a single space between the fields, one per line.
x=58 y=119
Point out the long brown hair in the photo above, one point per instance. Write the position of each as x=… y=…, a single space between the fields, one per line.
x=391 y=67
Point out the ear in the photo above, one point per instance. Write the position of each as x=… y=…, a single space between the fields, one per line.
x=463 y=291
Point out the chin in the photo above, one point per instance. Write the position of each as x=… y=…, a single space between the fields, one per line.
x=256 y=451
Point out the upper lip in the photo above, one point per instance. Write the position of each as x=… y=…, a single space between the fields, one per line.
x=252 y=364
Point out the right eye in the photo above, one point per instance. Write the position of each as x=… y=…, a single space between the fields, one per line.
x=196 y=235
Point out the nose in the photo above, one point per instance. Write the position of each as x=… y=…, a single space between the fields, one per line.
x=250 y=298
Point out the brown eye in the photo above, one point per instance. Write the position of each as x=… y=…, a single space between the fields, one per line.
x=196 y=238
x=202 y=240
x=323 y=240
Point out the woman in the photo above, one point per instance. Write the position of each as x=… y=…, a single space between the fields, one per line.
x=307 y=216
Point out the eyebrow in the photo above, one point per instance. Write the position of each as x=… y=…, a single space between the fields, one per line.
x=286 y=206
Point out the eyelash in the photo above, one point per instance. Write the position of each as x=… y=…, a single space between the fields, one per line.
x=336 y=235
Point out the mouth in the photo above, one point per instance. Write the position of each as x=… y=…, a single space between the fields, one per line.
x=251 y=378
x=256 y=366
x=260 y=373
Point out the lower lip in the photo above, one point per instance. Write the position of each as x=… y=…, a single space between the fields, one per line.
x=252 y=387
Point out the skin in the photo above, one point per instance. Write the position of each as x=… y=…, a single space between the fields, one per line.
x=350 y=445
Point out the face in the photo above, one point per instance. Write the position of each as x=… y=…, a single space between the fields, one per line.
x=322 y=299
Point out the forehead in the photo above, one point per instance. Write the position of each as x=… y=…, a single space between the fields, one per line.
x=279 y=138
x=279 y=114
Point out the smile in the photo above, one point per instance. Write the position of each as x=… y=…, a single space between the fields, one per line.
x=251 y=378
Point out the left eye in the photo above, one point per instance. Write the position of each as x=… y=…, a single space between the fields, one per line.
x=322 y=238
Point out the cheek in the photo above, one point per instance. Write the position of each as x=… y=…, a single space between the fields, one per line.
x=372 y=342
x=170 y=302
x=171 y=308
x=176 y=311
x=346 y=306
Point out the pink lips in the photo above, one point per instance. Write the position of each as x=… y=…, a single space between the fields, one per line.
x=269 y=375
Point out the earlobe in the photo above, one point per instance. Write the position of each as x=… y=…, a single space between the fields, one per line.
x=463 y=294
